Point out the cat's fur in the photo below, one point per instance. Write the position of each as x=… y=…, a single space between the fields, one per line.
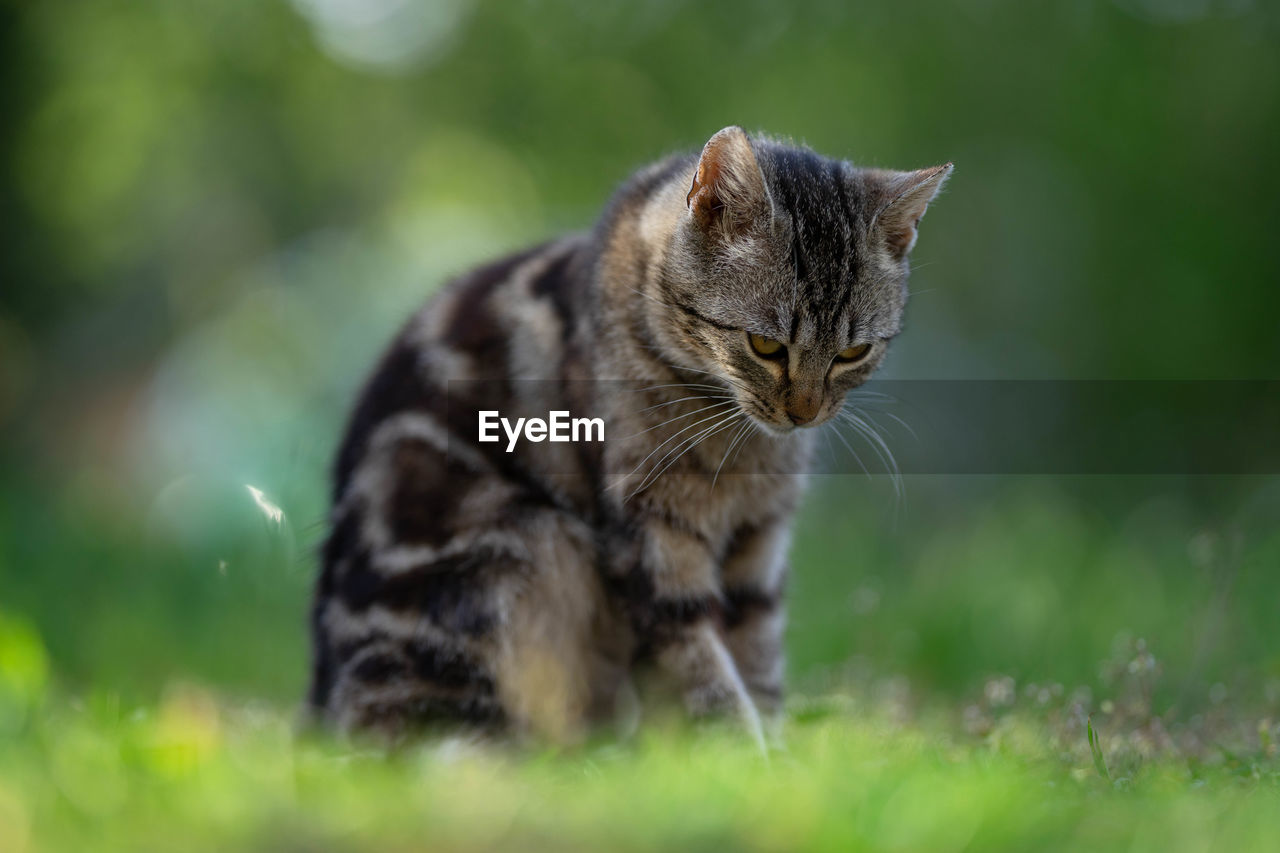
x=518 y=591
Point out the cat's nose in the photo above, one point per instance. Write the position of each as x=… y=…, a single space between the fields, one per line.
x=802 y=410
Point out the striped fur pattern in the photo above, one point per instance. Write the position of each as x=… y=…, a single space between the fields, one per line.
x=520 y=591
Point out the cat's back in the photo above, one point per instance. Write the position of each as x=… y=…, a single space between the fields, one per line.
x=487 y=336
x=428 y=523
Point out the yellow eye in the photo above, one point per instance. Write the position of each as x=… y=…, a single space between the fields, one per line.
x=854 y=353
x=767 y=347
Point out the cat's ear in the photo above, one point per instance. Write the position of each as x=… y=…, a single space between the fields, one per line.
x=907 y=196
x=728 y=190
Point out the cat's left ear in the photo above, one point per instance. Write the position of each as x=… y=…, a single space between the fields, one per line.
x=908 y=195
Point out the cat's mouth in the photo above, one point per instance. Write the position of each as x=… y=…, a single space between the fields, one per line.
x=780 y=423
x=775 y=428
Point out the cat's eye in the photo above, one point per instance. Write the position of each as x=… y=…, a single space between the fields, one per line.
x=767 y=347
x=853 y=353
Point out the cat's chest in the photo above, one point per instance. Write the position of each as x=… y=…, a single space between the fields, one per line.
x=762 y=486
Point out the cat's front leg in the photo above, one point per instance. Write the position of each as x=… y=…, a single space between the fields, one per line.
x=676 y=602
x=754 y=578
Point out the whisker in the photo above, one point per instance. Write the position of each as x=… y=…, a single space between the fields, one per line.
x=848 y=417
x=676 y=452
x=899 y=489
x=726 y=380
x=870 y=394
x=736 y=436
x=899 y=421
x=685 y=399
x=690 y=442
x=677 y=385
x=752 y=428
x=859 y=394
x=852 y=452
x=669 y=439
x=704 y=391
x=877 y=443
x=718 y=426
x=678 y=417
x=737 y=383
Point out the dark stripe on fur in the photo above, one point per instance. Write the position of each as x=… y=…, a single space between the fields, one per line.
x=684 y=611
x=850 y=261
x=394 y=388
x=447 y=669
x=555 y=285
x=343 y=539
x=741 y=602
x=670 y=519
x=379 y=668
x=671 y=618
x=424 y=712
x=381 y=659
x=452 y=592
x=697 y=315
x=474 y=327
x=423 y=509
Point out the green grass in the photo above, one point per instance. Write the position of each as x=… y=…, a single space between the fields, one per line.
x=873 y=766
x=1000 y=664
x=193 y=773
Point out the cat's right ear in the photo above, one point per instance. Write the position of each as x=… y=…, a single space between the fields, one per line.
x=728 y=193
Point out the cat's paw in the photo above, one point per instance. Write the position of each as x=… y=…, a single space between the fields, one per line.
x=711 y=703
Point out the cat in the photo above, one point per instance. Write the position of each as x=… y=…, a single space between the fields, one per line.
x=719 y=311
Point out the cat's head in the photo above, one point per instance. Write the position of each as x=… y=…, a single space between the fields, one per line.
x=786 y=273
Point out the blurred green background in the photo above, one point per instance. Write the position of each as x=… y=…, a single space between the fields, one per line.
x=217 y=212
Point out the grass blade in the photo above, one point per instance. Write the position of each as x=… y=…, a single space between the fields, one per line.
x=1095 y=747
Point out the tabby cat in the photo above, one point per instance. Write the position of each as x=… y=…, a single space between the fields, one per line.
x=720 y=311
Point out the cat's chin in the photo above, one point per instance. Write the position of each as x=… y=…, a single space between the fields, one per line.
x=775 y=430
x=779 y=430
